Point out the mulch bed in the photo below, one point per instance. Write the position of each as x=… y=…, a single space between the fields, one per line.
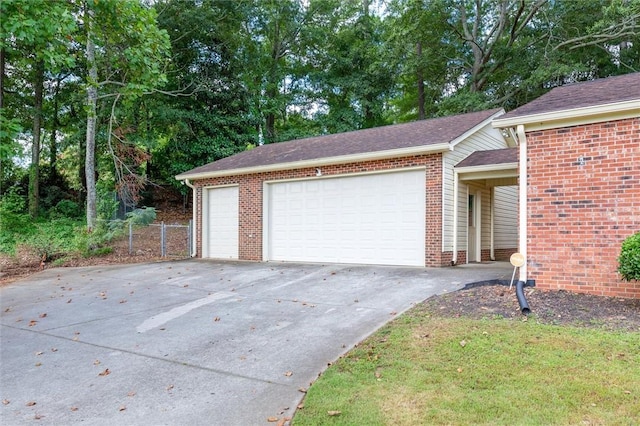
x=549 y=307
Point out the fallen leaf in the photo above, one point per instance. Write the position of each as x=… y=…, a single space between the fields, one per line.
x=272 y=419
x=5 y=402
x=393 y=313
x=627 y=392
x=131 y=393
x=334 y=413
x=122 y=408
x=31 y=403
x=43 y=315
x=39 y=353
x=106 y=372
x=74 y=408
x=216 y=319
x=38 y=416
x=123 y=301
x=289 y=373
x=169 y=387
x=283 y=421
x=303 y=390
x=300 y=406
x=463 y=343
x=38 y=364
x=96 y=362
x=459 y=370
x=69 y=301
x=7 y=310
x=54 y=350
x=32 y=323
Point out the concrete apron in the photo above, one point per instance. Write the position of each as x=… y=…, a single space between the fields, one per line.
x=193 y=342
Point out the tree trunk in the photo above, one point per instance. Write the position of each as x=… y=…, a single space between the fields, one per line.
x=53 y=144
x=420 y=78
x=34 y=169
x=92 y=100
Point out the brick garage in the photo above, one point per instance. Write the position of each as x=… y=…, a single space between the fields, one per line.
x=422 y=153
x=583 y=183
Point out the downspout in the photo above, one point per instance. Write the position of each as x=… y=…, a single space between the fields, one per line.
x=522 y=187
x=454 y=256
x=193 y=218
x=522 y=238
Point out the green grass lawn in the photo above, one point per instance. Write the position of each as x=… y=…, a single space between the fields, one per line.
x=423 y=370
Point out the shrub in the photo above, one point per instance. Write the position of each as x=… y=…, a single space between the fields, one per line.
x=629 y=260
x=66 y=208
x=142 y=217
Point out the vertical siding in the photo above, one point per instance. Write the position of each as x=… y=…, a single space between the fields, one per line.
x=485 y=139
x=505 y=233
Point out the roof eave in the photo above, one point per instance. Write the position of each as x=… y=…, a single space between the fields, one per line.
x=572 y=117
x=488 y=171
x=474 y=129
x=319 y=162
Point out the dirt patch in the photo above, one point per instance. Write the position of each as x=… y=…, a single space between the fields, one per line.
x=548 y=307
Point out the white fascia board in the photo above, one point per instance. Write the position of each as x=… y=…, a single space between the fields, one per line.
x=487 y=168
x=572 y=117
x=475 y=128
x=319 y=162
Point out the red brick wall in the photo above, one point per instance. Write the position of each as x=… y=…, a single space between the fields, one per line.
x=578 y=215
x=251 y=187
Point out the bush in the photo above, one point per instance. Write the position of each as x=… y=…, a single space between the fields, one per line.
x=142 y=217
x=629 y=260
x=66 y=208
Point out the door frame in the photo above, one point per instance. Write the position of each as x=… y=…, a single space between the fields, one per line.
x=474 y=225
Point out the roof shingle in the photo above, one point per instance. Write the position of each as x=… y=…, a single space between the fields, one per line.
x=492 y=156
x=579 y=95
x=407 y=135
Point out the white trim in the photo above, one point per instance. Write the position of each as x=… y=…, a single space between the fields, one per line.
x=487 y=168
x=573 y=117
x=475 y=128
x=492 y=202
x=454 y=258
x=339 y=175
x=319 y=162
x=522 y=212
x=194 y=226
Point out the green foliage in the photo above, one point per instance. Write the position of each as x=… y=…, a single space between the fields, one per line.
x=66 y=209
x=141 y=217
x=629 y=260
x=53 y=239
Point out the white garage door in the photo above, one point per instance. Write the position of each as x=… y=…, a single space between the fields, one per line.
x=370 y=219
x=220 y=239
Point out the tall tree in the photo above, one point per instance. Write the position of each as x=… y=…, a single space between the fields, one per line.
x=133 y=55
x=37 y=28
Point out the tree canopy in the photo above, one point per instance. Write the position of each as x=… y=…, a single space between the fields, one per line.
x=112 y=96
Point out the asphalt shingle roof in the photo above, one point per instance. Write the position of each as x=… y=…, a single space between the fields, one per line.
x=492 y=156
x=385 y=138
x=586 y=94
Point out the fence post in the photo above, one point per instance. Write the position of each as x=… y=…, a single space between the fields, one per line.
x=130 y=238
x=163 y=248
x=189 y=238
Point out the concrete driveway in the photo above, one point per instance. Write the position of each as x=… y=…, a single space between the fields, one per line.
x=192 y=342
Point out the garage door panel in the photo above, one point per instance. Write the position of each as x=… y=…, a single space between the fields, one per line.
x=222 y=223
x=375 y=219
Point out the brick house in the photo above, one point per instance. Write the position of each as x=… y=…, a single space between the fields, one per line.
x=579 y=174
x=375 y=196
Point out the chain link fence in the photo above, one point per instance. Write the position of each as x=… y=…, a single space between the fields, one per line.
x=158 y=239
